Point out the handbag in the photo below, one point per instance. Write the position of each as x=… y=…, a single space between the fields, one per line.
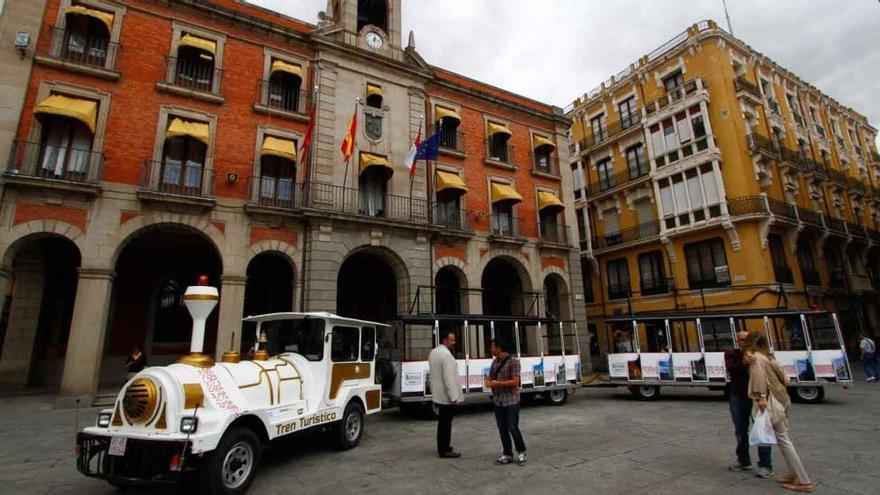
x=762 y=432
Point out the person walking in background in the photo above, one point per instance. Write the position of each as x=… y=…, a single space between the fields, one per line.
x=504 y=381
x=737 y=365
x=445 y=390
x=767 y=386
x=136 y=362
x=869 y=357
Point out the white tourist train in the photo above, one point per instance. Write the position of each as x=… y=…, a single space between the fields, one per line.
x=213 y=418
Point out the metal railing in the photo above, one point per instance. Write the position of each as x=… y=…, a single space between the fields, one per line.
x=856 y=230
x=555 y=234
x=275 y=192
x=547 y=163
x=351 y=201
x=759 y=143
x=688 y=88
x=193 y=73
x=837 y=176
x=85 y=48
x=834 y=224
x=782 y=209
x=858 y=185
x=43 y=161
x=747 y=205
x=742 y=84
x=176 y=178
x=521 y=303
x=642 y=231
x=504 y=225
x=451 y=139
x=874 y=235
x=619 y=291
x=774 y=107
x=458 y=220
x=612 y=130
x=610 y=181
x=809 y=216
x=499 y=151
x=284 y=97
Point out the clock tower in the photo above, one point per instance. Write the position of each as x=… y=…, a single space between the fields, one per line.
x=372 y=25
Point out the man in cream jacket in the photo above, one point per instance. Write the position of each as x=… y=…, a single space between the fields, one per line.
x=445 y=390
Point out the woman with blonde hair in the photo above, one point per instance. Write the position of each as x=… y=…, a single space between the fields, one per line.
x=767 y=387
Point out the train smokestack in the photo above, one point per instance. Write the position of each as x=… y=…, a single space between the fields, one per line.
x=200 y=300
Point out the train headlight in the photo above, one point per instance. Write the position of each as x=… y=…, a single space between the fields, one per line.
x=104 y=419
x=189 y=424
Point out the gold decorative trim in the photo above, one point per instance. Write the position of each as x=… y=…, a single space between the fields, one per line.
x=231 y=357
x=197 y=359
x=193 y=395
x=201 y=297
x=347 y=371
x=374 y=399
x=261 y=355
x=140 y=400
x=162 y=424
x=117 y=416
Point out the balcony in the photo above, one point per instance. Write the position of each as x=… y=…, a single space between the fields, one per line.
x=83 y=52
x=784 y=274
x=782 y=210
x=688 y=88
x=457 y=221
x=195 y=79
x=857 y=185
x=747 y=206
x=641 y=232
x=857 y=230
x=747 y=88
x=874 y=235
x=55 y=167
x=834 y=224
x=555 y=234
x=793 y=159
x=614 y=180
x=613 y=130
x=505 y=228
x=811 y=277
x=546 y=165
x=759 y=144
x=349 y=201
x=282 y=100
x=809 y=217
x=619 y=291
x=838 y=177
x=774 y=107
x=274 y=195
x=452 y=141
x=175 y=182
x=799 y=120
x=500 y=154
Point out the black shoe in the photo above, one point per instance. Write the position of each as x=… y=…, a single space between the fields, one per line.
x=450 y=455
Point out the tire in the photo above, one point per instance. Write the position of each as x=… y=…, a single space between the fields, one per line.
x=645 y=392
x=556 y=397
x=232 y=467
x=808 y=395
x=350 y=429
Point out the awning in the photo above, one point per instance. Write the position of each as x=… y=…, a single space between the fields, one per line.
x=373 y=90
x=498 y=129
x=283 y=148
x=542 y=141
x=281 y=66
x=503 y=192
x=370 y=160
x=198 y=43
x=195 y=130
x=85 y=111
x=446 y=113
x=446 y=180
x=104 y=17
x=550 y=202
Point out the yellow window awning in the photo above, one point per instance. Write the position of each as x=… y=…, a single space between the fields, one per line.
x=549 y=202
x=283 y=148
x=373 y=90
x=198 y=43
x=446 y=113
x=504 y=192
x=542 y=141
x=446 y=180
x=498 y=129
x=369 y=160
x=281 y=66
x=104 y=17
x=85 y=111
x=195 y=130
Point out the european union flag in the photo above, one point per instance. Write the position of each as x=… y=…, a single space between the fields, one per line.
x=429 y=149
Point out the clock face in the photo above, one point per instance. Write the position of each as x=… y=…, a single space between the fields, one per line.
x=375 y=40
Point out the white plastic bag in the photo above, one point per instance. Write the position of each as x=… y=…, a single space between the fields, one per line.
x=762 y=432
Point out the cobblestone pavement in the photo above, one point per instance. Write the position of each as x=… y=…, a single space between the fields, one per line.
x=602 y=441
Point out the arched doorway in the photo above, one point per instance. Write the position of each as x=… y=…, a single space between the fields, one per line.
x=367 y=287
x=153 y=270
x=505 y=289
x=35 y=328
x=269 y=289
x=449 y=291
x=556 y=298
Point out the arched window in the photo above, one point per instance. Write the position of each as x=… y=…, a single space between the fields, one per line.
x=86 y=35
x=372 y=13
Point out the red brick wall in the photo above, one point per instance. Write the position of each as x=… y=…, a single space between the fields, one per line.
x=450 y=251
x=25 y=212
x=259 y=233
x=552 y=261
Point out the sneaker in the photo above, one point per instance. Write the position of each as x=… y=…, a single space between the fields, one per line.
x=521 y=460
x=764 y=473
x=503 y=460
x=871 y=379
x=739 y=467
x=450 y=455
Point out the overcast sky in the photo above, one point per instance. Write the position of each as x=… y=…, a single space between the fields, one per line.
x=555 y=50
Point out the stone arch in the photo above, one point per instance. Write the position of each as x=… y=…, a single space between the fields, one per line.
x=280 y=248
x=148 y=221
x=563 y=293
x=22 y=233
x=517 y=261
x=458 y=266
x=451 y=296
x=395 y=263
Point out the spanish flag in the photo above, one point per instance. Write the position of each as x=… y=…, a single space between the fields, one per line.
x=348 y=142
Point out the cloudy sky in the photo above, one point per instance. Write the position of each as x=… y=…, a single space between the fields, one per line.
x=555 y=50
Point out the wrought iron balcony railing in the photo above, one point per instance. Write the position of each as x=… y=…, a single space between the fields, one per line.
x=545 y=163
x=747 y=206
x=809 y=216
x=276 y=192
x=63 y=163
x=451 y=139
x=500 y=152
x=856 y=230
x=194 y=74
x=177 y=178
x=555 y=234
x=642 y=231
x=351 y=201
x=688 y=88
x=619 y=291
x=505 y=225
x=742 y=84
x=760 y=144
x=782 y=209
x=834 y=224
x=616 y=179
x=85 y=48
x=283 y=97
x=457 y=220
x=612 y=130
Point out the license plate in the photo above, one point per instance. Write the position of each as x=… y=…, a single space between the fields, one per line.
x=117 y=446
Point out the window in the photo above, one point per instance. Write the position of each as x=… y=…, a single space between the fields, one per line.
x=550 y=228
x=65 y=148
x=780 y=264
x=284 y=87
x=651 y=273
x=766 y=88
x=684 y=130
x=194 y=64
x=372 y=13
x=449 y=208
x=587 y=277
x=277 y=176
x=690 y=197
x=344 y=344
x=628 y=113
x=368 y=343
x=543 y=156
x=603 y=168
x=635 y=160
x=618 y=279
x=502 y=219
x=597 y=125
x=717 y=335
x=374 y=96
x=447 y=124
x=673 y=82
x=499 y=143
x=183 y=159
x=707 y=264
x=611 y=221
x=304 y=337
x=581 y=225
x=373 y=186
x=86 y=36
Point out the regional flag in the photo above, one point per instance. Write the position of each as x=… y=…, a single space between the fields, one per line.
x=411 y=156
x=430 y=148
x=348 y=143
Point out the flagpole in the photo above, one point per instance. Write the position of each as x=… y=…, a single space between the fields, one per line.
x=415 y=163
x=310 y=161
x=353 y=143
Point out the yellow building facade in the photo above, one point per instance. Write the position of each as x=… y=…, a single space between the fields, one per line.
x=709 y=178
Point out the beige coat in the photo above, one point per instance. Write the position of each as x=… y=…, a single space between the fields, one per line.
x=766 y=377
x=445 y=386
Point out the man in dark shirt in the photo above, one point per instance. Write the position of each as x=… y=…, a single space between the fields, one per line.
x=504 y=380
x=741 y=410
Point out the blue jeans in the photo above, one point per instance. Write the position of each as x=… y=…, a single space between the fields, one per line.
x=741 y=412
x=507 y=419
x=869 y=364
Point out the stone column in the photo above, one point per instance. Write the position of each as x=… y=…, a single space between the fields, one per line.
x=24 y=317
x=231 y=311
x=88 y=327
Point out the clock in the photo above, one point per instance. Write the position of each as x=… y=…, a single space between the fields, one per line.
x=375 y=40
